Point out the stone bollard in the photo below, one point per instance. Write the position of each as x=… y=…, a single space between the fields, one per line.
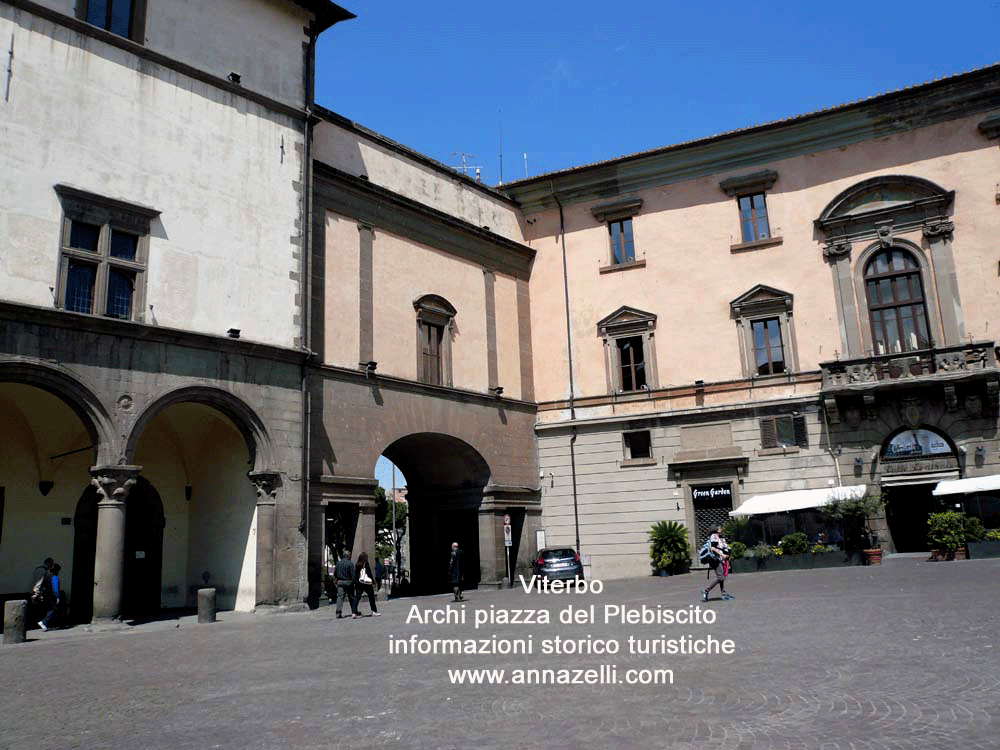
x=15 y=613
x=206 y=605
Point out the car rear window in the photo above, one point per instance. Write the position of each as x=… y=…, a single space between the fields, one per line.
x=557 y=554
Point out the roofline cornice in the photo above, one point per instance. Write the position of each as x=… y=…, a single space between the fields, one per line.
x=878 y=117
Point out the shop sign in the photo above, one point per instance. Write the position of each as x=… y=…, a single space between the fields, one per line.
x=721 y=493
x=917 y=443
x=945 y=463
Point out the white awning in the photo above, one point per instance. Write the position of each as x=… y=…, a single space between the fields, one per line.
x=971 y=484
x=778 y=502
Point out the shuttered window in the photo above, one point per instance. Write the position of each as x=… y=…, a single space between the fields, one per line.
x=777 y=432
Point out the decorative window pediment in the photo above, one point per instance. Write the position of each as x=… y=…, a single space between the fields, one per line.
x=624 y=209
x=434 y=309
x=626 y=319
x=906 y=201
x=757 y=182
x=760 y=300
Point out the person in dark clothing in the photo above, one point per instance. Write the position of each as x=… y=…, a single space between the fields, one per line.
x=379 y=573
x=364 y=584
x=720 y=553
x=344 y=576
x=455 y=572
x=51 y=591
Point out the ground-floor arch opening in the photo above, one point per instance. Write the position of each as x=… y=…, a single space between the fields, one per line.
x=444 y=479
x=912 y=462
x=48 y=449
x=198 y=461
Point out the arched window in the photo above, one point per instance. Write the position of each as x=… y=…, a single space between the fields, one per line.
x=894 y=290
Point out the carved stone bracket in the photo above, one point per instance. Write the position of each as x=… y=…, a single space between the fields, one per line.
x=837 y=249
x=993 y=393
x=870 y=412
x=950 y=397
x=267 y=484
x=832 y=413
x=885 y=232
x=114 y=482
x=939 y=230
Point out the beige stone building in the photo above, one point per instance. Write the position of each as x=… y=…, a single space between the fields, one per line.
x=796 y=306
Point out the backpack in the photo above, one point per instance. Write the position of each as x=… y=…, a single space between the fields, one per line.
x=705 y=554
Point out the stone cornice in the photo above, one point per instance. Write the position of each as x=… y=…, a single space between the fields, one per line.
x=878 y=117
x=758 y=182
x=378 y=207
x=127 y=329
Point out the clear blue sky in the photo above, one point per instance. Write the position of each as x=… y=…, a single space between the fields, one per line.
x=575 y=83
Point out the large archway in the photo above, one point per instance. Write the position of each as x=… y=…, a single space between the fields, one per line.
x=445 y=478
x=48 y=448
x=198 y=460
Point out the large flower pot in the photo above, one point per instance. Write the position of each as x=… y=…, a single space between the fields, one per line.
x=948 y=554
x=873 y=556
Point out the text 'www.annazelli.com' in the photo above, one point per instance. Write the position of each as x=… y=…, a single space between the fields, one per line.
x=606 y=674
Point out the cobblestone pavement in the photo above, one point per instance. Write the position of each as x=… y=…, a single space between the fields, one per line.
x=899 y=656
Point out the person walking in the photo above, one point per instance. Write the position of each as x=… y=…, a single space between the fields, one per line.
x=379 y=573
x=715 y=564
x=363 y=584
x=455 y=572
x=343 y=573
x=51 y=593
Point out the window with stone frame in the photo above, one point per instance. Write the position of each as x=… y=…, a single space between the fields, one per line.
x=629 y=350
x=894 y=291
x=638 y=445
x=764 y=323
x=124 y=18
x=104 y=251
x=435 y=316
x=784 y=432
x=750 y=192
x=617 y=217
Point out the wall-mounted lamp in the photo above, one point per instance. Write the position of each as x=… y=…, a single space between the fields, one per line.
x=699 y=384
x=980 y=451
x=45 y=486
x=962 y=449
x=234 y=333
x=858 y=462
x=234 y=77
x=497 y=391
x=369 y=367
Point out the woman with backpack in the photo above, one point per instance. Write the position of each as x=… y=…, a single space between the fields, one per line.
x=717 y=554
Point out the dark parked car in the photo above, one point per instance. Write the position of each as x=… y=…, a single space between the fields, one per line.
x=558 y=564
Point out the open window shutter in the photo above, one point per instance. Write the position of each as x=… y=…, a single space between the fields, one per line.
x=768 y=435
x=801 y=435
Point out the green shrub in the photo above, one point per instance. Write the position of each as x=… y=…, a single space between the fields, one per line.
x=670 y=549
x=855 y=515
x=761 y=551
x=737 y=550
x=737 y=529
x=794 y=544
x=946 y=531
x=974 y=529
x=819 y=549
x=993 y=535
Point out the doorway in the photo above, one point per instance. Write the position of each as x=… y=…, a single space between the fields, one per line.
x=906 y=509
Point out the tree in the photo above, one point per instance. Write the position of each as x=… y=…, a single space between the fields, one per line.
x=386 y=541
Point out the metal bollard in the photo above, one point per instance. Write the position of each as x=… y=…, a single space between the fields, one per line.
x=15 y=613
x=206 y=605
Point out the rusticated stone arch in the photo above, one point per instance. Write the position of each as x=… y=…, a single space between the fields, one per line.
x=79 y=397
x=243 y=417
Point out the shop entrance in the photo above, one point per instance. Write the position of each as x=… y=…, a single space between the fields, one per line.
x=906 y=509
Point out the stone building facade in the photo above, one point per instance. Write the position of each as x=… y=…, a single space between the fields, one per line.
x=796 y=306
x=152 y=319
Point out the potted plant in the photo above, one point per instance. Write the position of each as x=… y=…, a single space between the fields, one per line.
x=669 y=548
x=946 y=535
x=856 y=518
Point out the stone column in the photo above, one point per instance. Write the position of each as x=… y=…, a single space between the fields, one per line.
x=938 y=235
x=492 y=553
x=838 y=254
x=113 y=484
x=267 y=484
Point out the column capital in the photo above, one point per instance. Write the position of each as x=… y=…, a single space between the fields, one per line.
x=837 y=249
x=267 y=484
x=939 y=230
x=113 y=482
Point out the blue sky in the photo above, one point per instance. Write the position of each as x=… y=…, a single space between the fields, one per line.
x=576 y=83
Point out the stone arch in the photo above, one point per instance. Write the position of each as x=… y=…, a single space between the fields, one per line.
x=77 y=396
x=884 y=194
x=243 y=417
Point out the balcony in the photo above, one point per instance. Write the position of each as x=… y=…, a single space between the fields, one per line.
x=946 y=367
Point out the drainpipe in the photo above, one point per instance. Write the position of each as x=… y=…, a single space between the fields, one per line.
x=305 y=287
x=569 y=358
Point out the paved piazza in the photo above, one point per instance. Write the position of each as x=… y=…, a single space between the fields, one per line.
x=904 y=655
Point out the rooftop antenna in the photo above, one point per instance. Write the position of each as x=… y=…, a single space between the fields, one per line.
x=525 y=164
x=465 y=167
x=500 y=117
